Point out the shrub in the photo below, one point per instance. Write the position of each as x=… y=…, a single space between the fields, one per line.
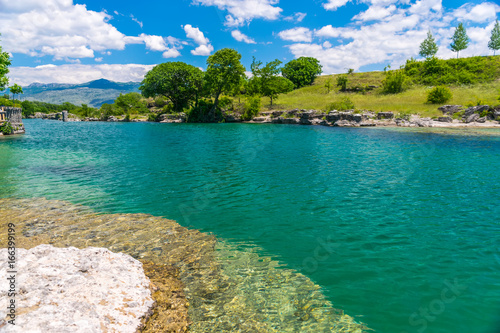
x=6 y=128
x=439 y=95
x=160 y=101
x=225 y=103
x=395 y=82
x=344 y=104
x=342 y=82
x=252 y=108
x=201 y=113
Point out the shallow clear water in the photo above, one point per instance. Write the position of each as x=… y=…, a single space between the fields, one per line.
x=401 y=227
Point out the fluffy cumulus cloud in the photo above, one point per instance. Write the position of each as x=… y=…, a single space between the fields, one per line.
x=241 y=37
x=76 y=73
x=204 y=47
x=241 y=12
x=296 y=35
x=62 y=29
x=390 y=31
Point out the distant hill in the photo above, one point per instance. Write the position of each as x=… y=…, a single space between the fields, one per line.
x=93 y=93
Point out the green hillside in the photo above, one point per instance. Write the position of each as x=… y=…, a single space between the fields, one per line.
x=481 y=73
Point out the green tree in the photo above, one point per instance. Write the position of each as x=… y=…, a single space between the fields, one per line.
x=131 y=103
x=328 y=84
x=178 y=81
x=494 y=43
x=15 y=90
x=224 y=73
x=460 y=40
x=342 y=82
x=302 y=71
x=4 y=70
x=265 y=80
x=428 y=48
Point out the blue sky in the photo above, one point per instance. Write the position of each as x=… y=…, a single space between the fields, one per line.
x=69 y=41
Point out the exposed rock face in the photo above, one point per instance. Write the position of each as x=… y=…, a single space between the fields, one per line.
x=472 y=118
x=385 y=115
x=450 y=109
x=474 y=109
x=445 y=119
x=173 y=118
x=72 y=290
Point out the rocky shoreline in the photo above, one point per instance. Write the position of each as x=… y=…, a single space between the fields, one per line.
x=482 y=116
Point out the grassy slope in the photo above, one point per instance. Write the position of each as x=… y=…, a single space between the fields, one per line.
x=410 y=101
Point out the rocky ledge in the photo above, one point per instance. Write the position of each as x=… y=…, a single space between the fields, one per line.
x=72 y=290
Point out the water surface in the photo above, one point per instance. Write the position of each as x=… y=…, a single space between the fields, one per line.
x=400 y=227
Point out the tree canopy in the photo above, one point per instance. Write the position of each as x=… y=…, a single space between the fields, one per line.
x=460 y=40
x=4 y=70
x=428 y=48
x=178 y=81
x=224 y=73
x=494 y=43
x=16 y=89
x=266 y=82
x=302 y=71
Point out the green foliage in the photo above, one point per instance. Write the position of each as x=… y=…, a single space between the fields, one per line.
x=131 y=103
x=428 y=48
x=32 y=107
x=225 y=102
x=350 y=71
x=302 y=71
x=6 y=128
x=16 y=89
x=494 y=43
x=344 y=103
x=395 y=82
x=434 y=71
x=202 y=112
x=342 y=82
x=328 y=85
x=224 y=73
x=4 y=70
x=252 y=108
x=179 y=82
x=160 y=101
x=439 y=95
x=460 y=40
x=266 y=82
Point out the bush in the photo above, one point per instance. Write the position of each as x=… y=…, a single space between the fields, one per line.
x=6 y=128
x=225 y=103
x=342 y=82
x=160 y=101
x=439 y=95
x=395 y=82
x=344 y=104
x=201 y=113
x=252 y=108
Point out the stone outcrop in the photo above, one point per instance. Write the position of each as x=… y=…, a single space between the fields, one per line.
x=13 y=115
x=385 y=115
x=450 y=109
x=72 y=290
x=172 y=118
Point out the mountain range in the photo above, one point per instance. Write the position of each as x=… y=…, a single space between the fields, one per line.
x=93 y=93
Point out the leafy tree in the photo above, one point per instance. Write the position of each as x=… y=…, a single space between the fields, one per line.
x=265 y=80
x=224 y=73
x=131 y=103
x=460 y=40
x=494 y=43
x=302 y=71
x=428 y=48
x=4 y=64
x=350 y=71
x=328 y=84
x=178 y=81
x=15 y=90
x=342 y=82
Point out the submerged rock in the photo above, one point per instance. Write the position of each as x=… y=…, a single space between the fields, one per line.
x=73 y=290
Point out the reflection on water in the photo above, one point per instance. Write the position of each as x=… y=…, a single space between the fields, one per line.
x=229 y=287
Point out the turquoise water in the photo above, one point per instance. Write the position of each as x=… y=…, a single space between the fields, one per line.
x=400 y=227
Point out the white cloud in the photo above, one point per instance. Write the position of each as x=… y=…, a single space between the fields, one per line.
x=483 y=12
x=98 y=59
x=171 y=53
x=203 y=50
x=296 y=35
x=241 y=37
x=297 y=17
x=204 y=47
x=391 y=31
x=244 y=11
x=137 y=21
x=375 y=13
x=77 y=73
x=334 y=4
x=59 y=28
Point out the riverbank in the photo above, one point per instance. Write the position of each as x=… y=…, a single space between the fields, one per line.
x=453 y=116
x=200 y=282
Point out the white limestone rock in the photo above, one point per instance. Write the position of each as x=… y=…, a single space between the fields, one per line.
x=72 y=290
